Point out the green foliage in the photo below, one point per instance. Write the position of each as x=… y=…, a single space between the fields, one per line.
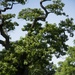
x=68 y=26
x=34 y=52
x=6 y=3
x=56 y=7
x=8 y=24
x=68 y=66
x=6 y=68
x=54 y=36
x=30 y=14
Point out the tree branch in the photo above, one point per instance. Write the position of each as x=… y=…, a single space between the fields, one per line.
x=8 y=7
x=5 y=43
x=42 y=18
x=2 y=42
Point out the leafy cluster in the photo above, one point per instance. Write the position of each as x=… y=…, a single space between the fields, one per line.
x=8 y=24
x=6 y=3
x=30 y=14
x=56 y=7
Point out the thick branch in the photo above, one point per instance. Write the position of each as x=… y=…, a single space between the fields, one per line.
x=6 y=42
x=46 y=12
x=2 y=42
x=42 y=18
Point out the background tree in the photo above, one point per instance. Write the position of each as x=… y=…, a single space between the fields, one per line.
x=32 y=54
x=68 y=66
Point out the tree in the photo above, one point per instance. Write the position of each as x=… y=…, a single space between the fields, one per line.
x=6 y=20
x=68 y=66
x=32 y=54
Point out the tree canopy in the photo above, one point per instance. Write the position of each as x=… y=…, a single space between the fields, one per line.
x=33 y=53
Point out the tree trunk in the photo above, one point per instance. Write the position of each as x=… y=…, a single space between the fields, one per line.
x=22 y=71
